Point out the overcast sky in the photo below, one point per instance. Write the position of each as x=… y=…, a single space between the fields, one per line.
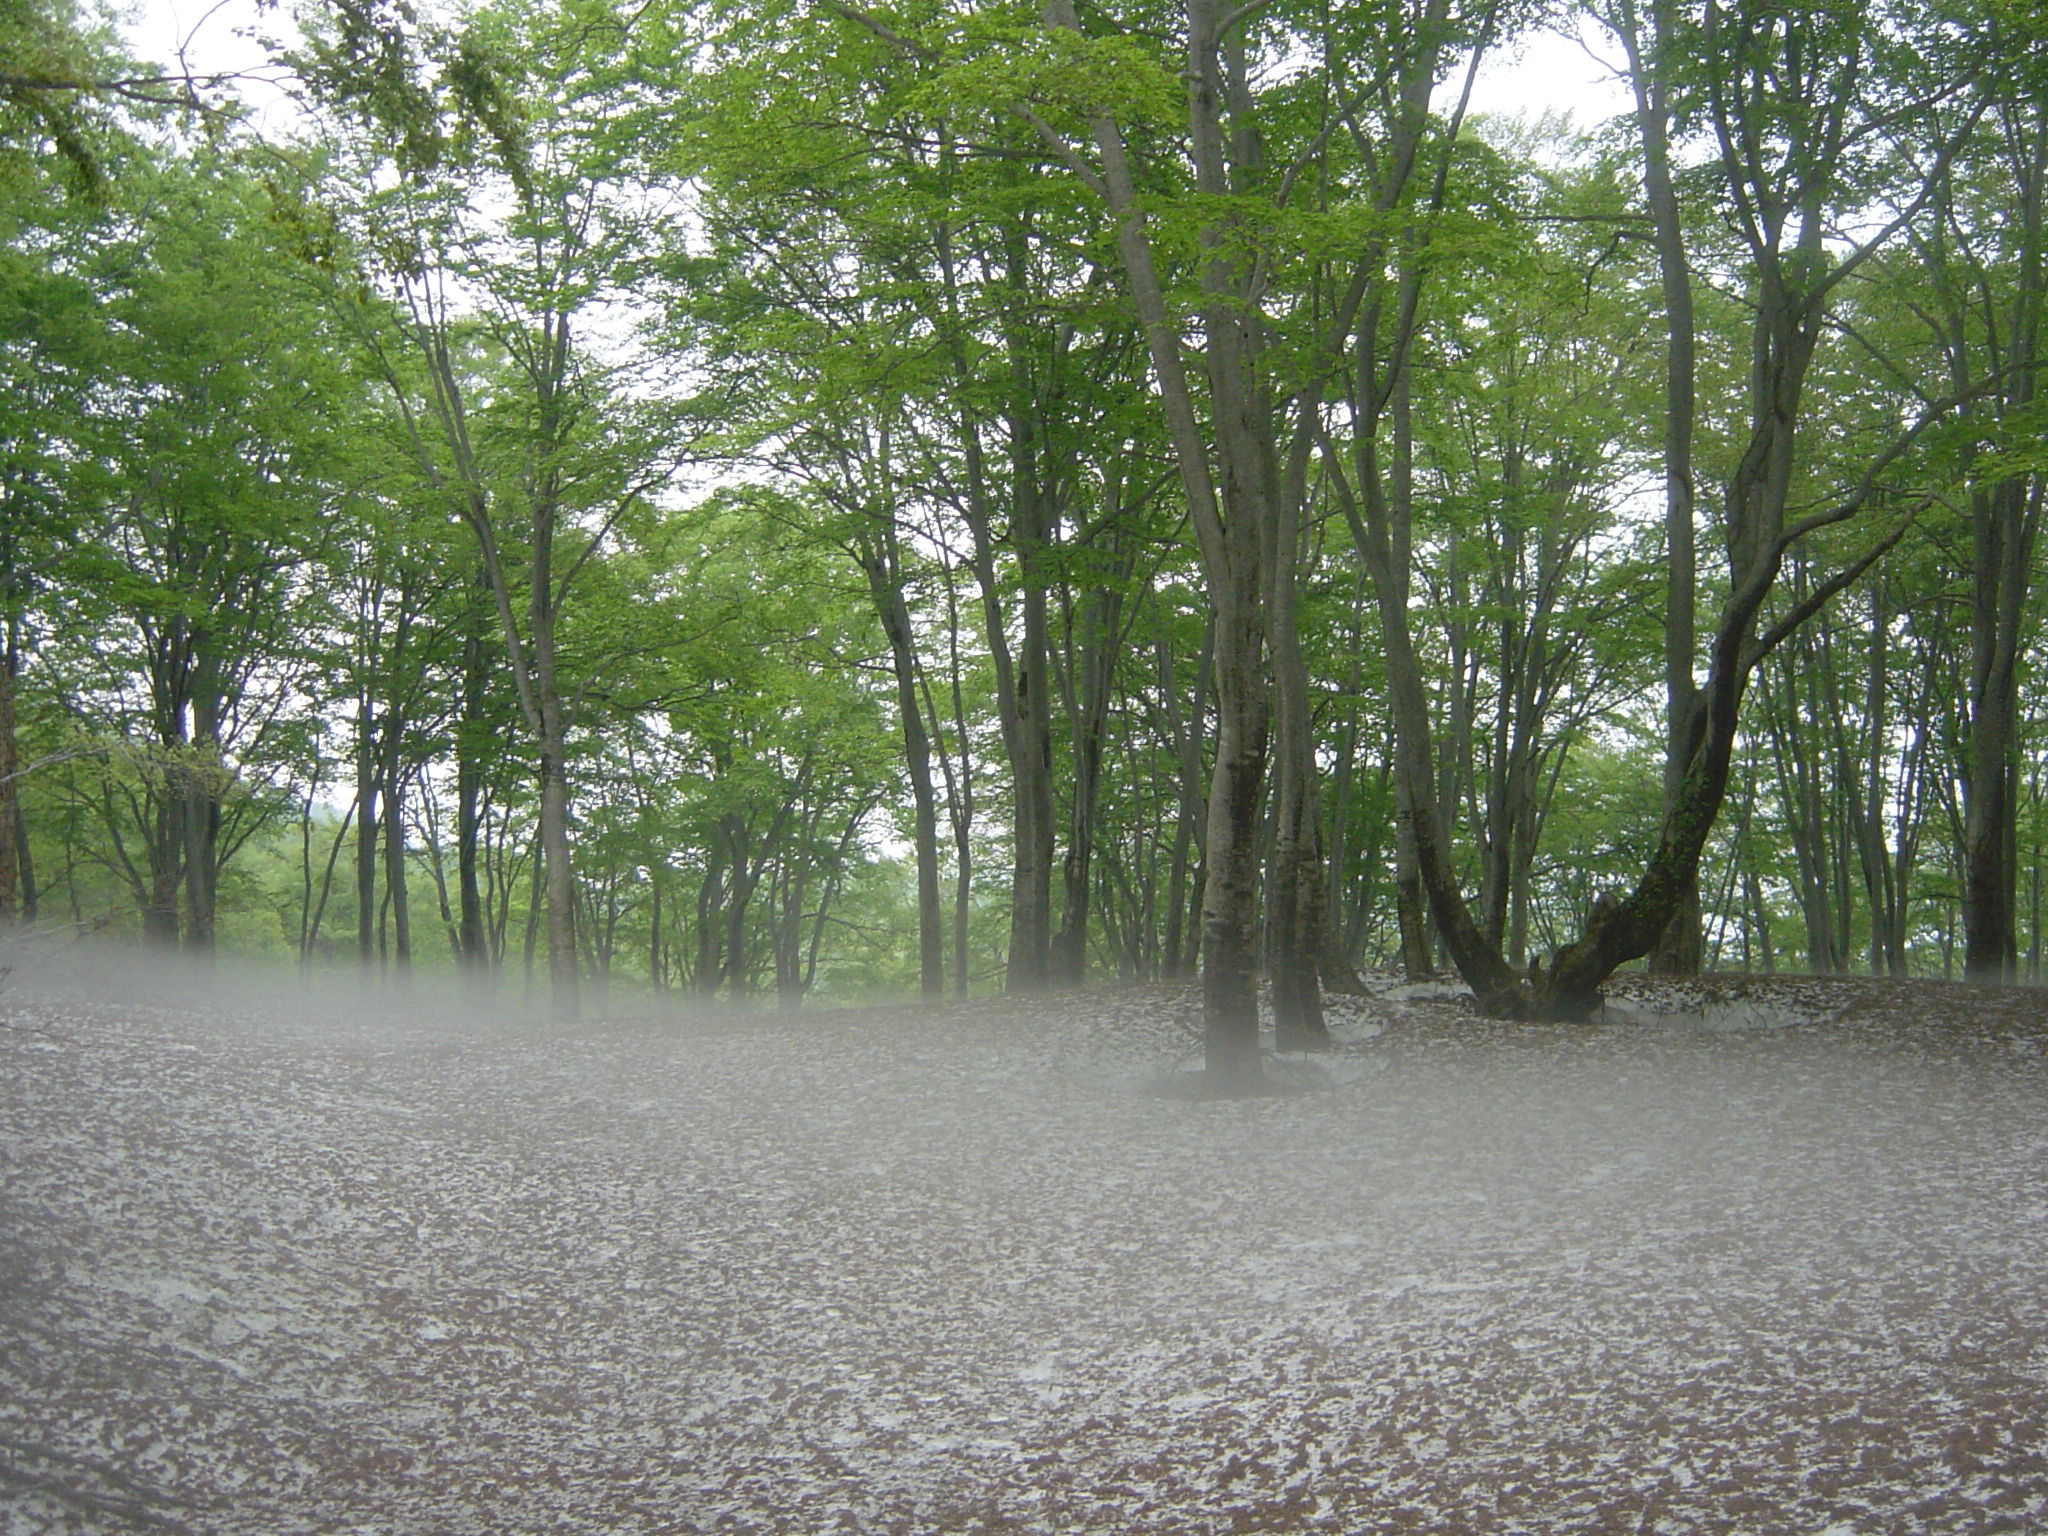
x=1543 y=72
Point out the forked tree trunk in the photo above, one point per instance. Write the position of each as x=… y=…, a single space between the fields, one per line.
x=1793 y=178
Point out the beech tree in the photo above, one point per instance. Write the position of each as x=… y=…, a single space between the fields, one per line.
x=1795 y=105
x=211 y=480
x=447 y=112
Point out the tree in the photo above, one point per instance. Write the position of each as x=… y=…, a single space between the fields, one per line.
x=213 y=474
x=1985 y=267
x=1794 y=105
x=450 y=112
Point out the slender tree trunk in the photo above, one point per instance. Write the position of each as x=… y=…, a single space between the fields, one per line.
x=203 y=786
x=880 y=563
x=1678 y=951
x=472 y=733
x=1031 y=924
x=1231 y=504
x=366 y=832
x=657 y=980
x=394 y=851
x=10 y=766
x=710 y=902
x=959 y=793
x=309 y=937
x=1179 y=942
x=1411 y=904
x=553 y=742
x=1230 y=1020
x=1093 y=657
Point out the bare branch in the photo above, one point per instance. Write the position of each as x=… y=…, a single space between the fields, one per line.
x=1818 y=599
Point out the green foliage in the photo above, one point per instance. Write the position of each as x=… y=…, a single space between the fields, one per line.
x=706 y=323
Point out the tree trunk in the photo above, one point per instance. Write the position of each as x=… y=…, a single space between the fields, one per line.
x=160 y=901
x=203 y=784
x=2004 y=520
x=394 y=851
x=558 y=879
x=1230 y=1016
x=1031 y=924
x=1180 y=941
x=1678 y=950
x=1294 y=905
x=10 y=766
x=366 y=832
x=710 y=900
x=472 y=728
x=1231 y=504
x=879 y=562
x=959 y=792
x=1087 y=697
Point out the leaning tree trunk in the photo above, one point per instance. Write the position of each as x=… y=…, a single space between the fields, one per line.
x=1626 y=927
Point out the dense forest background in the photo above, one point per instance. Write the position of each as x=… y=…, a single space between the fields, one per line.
x=776 y=499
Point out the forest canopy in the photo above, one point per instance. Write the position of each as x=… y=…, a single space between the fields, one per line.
x=852 y=499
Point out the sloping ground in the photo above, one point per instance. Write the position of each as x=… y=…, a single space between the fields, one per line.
x=267 y=1271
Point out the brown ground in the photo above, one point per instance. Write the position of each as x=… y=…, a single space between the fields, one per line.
x=267 y=1270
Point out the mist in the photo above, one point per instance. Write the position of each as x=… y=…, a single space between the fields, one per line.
x=274 y=1261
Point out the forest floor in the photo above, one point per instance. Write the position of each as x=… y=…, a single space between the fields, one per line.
x=267 y=1267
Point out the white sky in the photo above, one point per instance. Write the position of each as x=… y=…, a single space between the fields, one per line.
x=1543 y=72
x=214 y=35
